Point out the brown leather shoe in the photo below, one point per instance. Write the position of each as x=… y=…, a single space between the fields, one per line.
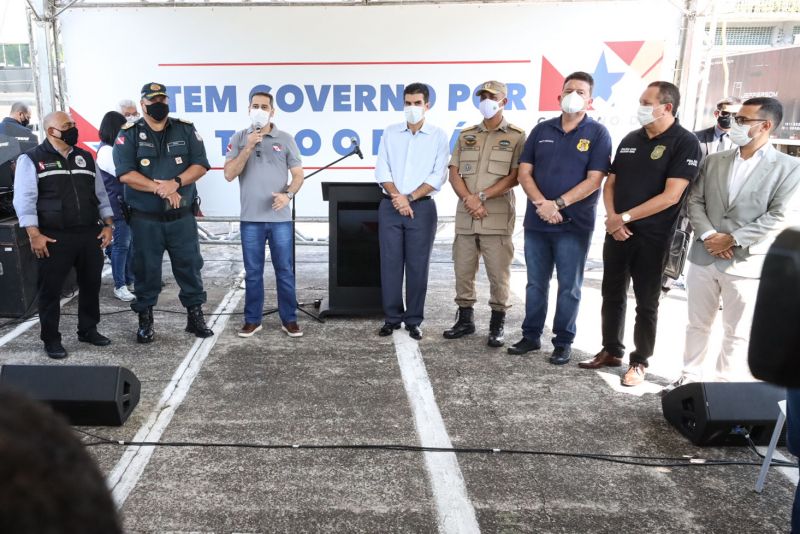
x=292 y=330
x=249 y=329
x=601 y=359
x=634 y=376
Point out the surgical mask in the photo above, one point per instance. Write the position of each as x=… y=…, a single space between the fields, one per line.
x=740 y=135
x=259 y=118
x=724 y=121
x=69 y=136
x=645 y=115
x=572 y=103
x=158 y=110
x=413 y=114
x=132 y=118
x=489 y=108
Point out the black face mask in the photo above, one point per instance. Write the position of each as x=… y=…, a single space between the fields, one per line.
x=157 y=110
x=724 y=121
x=25 y=122
x=69 y=136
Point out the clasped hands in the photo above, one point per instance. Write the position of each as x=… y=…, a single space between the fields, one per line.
x=168 y=189
x=548 y=211
x=720 y=245
x=402 y=205
x=475 y=207
x=616 y=228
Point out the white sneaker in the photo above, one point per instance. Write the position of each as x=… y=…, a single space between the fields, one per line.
x=123 y=294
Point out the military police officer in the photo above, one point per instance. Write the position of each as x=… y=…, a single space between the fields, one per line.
x=159 y=159
x=483 y=171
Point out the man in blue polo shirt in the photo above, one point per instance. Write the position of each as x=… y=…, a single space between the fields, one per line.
x=560 y=170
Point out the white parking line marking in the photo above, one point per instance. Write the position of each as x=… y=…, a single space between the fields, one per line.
x=125 y=475
x=453 y=506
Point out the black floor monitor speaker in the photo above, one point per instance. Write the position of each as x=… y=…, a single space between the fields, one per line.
x=85 y=394
x=714 y=413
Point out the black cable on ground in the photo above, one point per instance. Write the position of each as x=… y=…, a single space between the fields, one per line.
x=625 y=459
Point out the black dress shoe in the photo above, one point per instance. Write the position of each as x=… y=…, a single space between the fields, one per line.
x=560 y=355
x=55 y=350
x=414 y=331
x=524 y=346
x=387 y=329
x=95 y=338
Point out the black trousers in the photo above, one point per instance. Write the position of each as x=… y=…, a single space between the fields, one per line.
x=642 y=260
x=78 y=248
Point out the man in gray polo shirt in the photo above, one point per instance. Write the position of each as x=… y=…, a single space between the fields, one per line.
x=262 y=157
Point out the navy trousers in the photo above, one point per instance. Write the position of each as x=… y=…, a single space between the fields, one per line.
x=406 y=246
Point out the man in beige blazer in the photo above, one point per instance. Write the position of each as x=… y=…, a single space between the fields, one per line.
x=737 y=206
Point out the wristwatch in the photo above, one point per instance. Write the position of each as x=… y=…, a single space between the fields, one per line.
x=110 y=226
x=626 y=217
x=410 y=198
x=482 y=196
x=178 y=179
x=290 y=195
x=560 y=203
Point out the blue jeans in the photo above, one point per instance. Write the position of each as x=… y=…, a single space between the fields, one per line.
x=793 y=443
x=121 y=255
x=279 y=235
x=567 y=252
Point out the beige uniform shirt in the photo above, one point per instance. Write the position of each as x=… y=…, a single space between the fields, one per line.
x=483 y=157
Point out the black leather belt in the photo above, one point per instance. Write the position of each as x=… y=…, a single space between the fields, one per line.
x=387 y=197
x=167 y=216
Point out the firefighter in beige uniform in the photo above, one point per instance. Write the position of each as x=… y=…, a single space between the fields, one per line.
x=483 y=172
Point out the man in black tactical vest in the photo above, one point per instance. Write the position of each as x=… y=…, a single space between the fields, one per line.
x=159 y=159
x=60 y=202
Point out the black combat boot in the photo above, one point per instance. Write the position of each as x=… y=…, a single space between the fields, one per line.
x=196 y=323
x=145 y=333
x=463 y=326
x=496 y=330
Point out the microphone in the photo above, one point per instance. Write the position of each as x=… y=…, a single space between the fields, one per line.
x=356 y=148
x=258 y=145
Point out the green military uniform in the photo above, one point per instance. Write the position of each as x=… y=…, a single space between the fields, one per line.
x=483 y=157
x=155 y=226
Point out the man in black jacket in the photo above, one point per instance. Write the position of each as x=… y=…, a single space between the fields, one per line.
x=60 y=202
x=715 y=138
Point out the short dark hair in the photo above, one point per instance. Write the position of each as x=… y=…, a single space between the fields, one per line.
x=48 y=482
x=728 y=101
x=110 y=125
x=771 y=107
x=582 y=76
x=668 y=93
x=262 y=93
x=418 y=89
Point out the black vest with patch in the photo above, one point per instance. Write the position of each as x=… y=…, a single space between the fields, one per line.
x=67 y=197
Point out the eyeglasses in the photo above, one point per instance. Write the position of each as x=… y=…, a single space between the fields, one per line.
x=742 y=120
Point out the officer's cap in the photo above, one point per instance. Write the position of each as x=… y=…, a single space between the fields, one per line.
x=493 y=87
x=149 y=90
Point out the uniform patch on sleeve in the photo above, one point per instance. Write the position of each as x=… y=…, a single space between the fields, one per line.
x=197 y=134
x=230 y=147
x=120 y=140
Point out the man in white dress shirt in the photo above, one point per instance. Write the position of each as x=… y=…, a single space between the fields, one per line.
x=411 y=167
x=737 y=206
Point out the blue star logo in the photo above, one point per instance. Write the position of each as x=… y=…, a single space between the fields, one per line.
x=604 y=80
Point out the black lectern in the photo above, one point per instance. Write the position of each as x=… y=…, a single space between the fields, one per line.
x=354 y=262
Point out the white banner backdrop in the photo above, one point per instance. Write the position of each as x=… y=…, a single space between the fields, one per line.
x=338 y=72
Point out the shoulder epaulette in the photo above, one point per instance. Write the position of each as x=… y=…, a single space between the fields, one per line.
x=473 y=127
x=516 y=128
x=128 y=125
x=185 y=121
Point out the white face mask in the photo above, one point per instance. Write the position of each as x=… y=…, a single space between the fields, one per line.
x=259 y=118
x=413 y=114
x=132 y=118
x=572 y=103
x=740 y=135
x=645 y=115
x=489 y=108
